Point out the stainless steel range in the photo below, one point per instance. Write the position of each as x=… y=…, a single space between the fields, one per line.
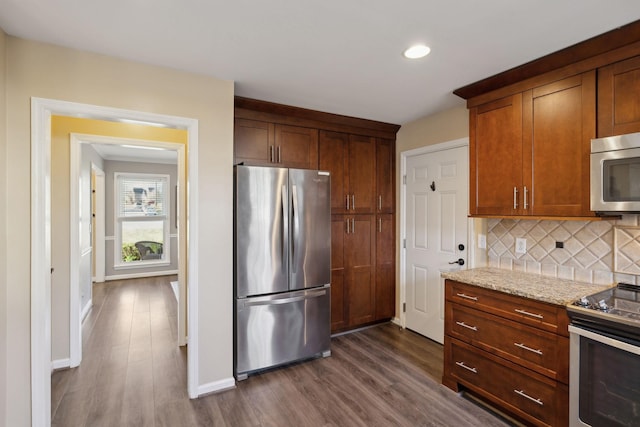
x=605 y=358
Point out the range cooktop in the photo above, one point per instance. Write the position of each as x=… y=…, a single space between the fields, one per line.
x=615 y=308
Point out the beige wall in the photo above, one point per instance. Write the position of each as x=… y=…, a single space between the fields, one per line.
x=445 y=126
x=3 y=233
x=40 y=70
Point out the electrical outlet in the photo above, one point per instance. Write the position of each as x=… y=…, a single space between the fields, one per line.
x=482 y=241
x=521 y=246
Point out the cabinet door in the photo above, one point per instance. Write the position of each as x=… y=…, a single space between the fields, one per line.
x=296 y=147
x=362 y=174
x=385 y=267
x=559 y=122
x=495 y=157
x=338 y=274
x=360 y=260
x=333 y=155
x=618 y=100
x=253 y=142
x=385 y=167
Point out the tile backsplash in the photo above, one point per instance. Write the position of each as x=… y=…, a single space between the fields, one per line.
x=593 y=251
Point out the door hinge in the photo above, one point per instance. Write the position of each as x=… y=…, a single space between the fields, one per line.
x=404 y=179
x=404 y=307
x=404 y=243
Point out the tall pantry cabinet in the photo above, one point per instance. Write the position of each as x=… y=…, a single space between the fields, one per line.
x=360 y=155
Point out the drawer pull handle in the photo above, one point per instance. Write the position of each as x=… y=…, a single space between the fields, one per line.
x=523 y=394
x=526 y=313
x=524 y=347
x=464 y=325
x=468 y=368
x=465 y=296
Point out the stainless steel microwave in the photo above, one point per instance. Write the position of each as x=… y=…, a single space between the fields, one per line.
x=615 y=173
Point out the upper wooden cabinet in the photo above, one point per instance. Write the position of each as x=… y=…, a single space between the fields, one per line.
x=351 y=161
x=296 y=147
x=619 y=98
x=529 y=152
x=385 y=175
x=539 y=118
x=558 y=125
x=495 y=156
x=269 y=144
x=253 y=142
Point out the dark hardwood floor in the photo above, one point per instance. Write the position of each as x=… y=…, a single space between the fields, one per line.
x=133 y=374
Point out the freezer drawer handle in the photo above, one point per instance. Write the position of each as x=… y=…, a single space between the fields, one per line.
x=286 y=300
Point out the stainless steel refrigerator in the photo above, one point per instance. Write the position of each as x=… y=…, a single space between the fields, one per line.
x=282 y=263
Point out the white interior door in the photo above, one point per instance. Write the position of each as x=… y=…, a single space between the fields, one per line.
x=98 y=214
x=436 y=206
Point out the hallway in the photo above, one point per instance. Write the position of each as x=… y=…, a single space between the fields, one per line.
x=131 y=365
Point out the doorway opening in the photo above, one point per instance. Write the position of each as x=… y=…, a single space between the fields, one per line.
x=173 y=155
x=41 y=112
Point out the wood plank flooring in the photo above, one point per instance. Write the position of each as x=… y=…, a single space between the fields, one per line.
x=133 y=374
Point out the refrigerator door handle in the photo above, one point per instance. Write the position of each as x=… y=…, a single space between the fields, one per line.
x=295 y=232
x=266 y=301
x=285 y=227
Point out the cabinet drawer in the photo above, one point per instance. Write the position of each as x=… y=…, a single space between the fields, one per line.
x=541 y=351
x=531 y=397
x=538 y=314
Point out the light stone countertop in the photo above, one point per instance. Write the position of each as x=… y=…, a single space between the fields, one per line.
x=537 y=287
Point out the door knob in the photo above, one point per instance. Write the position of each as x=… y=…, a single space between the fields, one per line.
x=460 y=261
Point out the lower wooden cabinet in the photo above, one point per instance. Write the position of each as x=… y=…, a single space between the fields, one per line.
x=362 y=270
x=385 y=267
x=532 y=397
x=510 y=351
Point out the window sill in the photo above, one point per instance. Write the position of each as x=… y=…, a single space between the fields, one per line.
x=141 y=264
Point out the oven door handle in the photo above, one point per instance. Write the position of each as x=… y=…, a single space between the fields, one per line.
x=604 y=339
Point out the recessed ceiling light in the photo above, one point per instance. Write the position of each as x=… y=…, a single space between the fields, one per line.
x=417 y=51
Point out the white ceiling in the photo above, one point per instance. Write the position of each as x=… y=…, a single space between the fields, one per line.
x=340 y=56
x=135 y=154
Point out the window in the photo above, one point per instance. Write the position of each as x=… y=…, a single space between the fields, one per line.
x=142 y=219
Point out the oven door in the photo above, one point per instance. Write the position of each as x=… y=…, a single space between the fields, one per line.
x=604 y=378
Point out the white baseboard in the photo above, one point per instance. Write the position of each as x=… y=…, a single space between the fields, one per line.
x=140 y=275
x=60 y=364
x=396 y=321
x=86 y=310
x=216 y=386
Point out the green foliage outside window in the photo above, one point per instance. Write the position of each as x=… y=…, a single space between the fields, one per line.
x=130 y=252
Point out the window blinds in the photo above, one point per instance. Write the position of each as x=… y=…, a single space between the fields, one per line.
x=141 y=196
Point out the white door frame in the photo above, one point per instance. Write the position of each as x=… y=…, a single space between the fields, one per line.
x=41 y=111
x=99 y=224
x=462 y=142
x=75 y=141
